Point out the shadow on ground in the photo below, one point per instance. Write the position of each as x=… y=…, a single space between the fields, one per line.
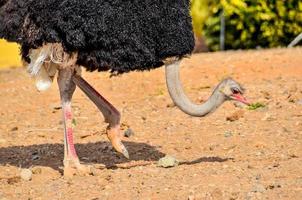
x=51 y=155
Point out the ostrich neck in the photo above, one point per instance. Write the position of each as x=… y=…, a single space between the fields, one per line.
x=182 y=101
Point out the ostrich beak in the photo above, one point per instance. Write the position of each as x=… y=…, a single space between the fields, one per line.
x=239 y=97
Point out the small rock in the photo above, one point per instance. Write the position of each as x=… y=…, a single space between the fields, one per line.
x=258 y=188
x=13 y=180
x=292 y=98
x=26 y=174
x=37 y=170
x=129 y=132
x=42 y=135
x=259 y=153
x=250 y=167
x=228 y=134
x=235 y=116
x=35 y=157
x=168 y=161
x=171 y=105
x=273 y=186
x=276 y=165
x=292 y=155
x=57 y=107
x=299 y=102
x=14 y=128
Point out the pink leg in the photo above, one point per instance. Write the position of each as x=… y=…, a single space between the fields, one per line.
x=110 y=113
x=71 y=161
x=68 y=132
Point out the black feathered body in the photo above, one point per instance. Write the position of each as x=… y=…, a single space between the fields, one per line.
x=115 y=35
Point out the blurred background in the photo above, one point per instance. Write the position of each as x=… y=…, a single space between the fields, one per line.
x=245 y=24
x=9 y=54
x=227 y=24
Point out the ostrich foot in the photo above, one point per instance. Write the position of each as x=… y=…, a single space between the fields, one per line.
x=74 y=167
x=115 y=135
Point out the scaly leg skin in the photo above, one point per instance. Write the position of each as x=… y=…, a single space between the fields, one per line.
x=110 y=113
x=71 y=161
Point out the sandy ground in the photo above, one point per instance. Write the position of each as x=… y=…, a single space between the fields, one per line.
x=258 y=156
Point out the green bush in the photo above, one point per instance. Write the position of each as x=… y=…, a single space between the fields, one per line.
x=249 y=23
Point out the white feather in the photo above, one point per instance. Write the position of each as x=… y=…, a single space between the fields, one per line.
x=40 y=67
x=38 y=57
x=43 y=81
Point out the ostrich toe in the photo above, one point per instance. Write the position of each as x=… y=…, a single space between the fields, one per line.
x=115 y=135
x=74 y=167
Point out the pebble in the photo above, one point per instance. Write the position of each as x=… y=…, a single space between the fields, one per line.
x=35 y=157
x=228 y=134
x=235 y=116
x=274 y=186
x=13 y=180
x=26 y=174
x=258 y=188
x=259 y=153
x=37 y=170
x=168 y=161
x=14 y=128
x=129 y=132
x=170 y=105
x=57 y=107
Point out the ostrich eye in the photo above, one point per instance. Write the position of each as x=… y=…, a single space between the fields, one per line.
x=235 y=91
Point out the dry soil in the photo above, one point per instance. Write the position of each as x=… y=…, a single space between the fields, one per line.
x=258 y=155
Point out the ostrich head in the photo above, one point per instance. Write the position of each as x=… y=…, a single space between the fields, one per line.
x=231 y=90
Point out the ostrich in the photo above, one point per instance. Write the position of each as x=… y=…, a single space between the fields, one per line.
x=61 y=37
